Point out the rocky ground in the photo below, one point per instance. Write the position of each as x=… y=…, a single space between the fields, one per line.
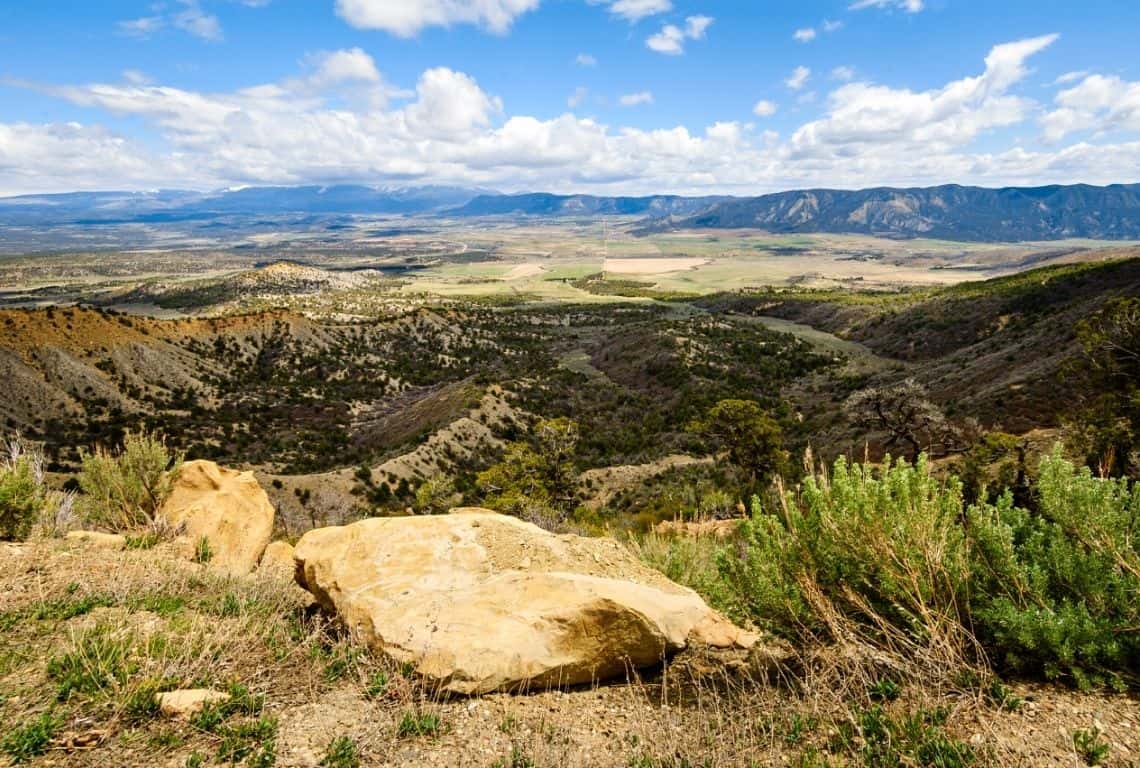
x=109 y=622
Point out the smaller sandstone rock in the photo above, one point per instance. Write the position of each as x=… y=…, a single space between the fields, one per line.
x=188 y=702
x=227 y=508
x=277 y=561
x=98 y=539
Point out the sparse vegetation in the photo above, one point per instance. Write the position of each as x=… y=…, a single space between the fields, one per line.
x=31 y=740
x=26 y=502
x=890 y=557
x=342 y=752
x=415 y=723
x=123 y=489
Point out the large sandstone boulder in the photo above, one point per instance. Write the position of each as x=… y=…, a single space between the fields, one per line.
x=480 y=602
x=226 y=507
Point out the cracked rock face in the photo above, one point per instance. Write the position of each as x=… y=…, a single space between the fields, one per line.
x=480 y=602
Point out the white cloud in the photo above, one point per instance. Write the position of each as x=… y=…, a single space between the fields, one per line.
x=449 y=104
x=910 y=6
x=799 y=77
x=585 y=60
x=187 y=15
x=136 y=77
x=671 y=39
x=1098 y=103
x=696 y=26
x=636 y=99
x=830 y=25
x=303 y=129
x=844 y=74
x=764 y=108
x=864 y=117
x=635 y=10
x=405 y=18
x=197 y=22
x=578 y=97
x=344 y=66
x=805 y=35
x=141 y=27
x=1070 y=77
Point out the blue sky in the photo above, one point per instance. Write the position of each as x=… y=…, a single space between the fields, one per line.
x=568 y=95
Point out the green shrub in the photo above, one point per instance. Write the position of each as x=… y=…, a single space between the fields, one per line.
x=1090 y=746
x=889 y=555
x=882 y=546
x=124 y=490
x=30 y=741
x=21 y=492
x=418 y=723
x=1055 y=591
x=342 y=752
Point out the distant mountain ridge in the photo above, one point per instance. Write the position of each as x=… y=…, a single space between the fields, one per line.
x=546 y=204
x=176 y=205
x=948 y=212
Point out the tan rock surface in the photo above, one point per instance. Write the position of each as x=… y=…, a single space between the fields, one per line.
x=229 y=508
x=277 y=560
x=480 y=602
x=98 y=539
x=185 y=703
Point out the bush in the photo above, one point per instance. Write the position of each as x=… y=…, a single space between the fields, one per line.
x=889 y=556
x=22 y=492
x=27 y=505
x=874 y=551
x=1055 y=592
x=124 y=490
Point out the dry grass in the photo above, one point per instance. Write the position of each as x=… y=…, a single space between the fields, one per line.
x=140 y=621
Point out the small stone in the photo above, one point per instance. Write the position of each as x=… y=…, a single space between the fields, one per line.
x=185 y=703
x=98 y=539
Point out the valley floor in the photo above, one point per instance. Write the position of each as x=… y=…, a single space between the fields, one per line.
x=87 y=633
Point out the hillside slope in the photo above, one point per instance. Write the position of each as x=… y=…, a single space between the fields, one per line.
x=994 y=349
x=951 y=212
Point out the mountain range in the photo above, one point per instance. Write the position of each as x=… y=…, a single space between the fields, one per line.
x=948 y=212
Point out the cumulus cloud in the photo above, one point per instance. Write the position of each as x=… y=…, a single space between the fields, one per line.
x=1099 y=103
x=405 y=18
x=636 y=99
x=863 y=116
x=585 y=60
x=805 y=35
x=910 y=6
x=448 y=129
x=764 y=108
x=799 y=77
x=830 y=25
x=843 y=74
x=671 y=39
